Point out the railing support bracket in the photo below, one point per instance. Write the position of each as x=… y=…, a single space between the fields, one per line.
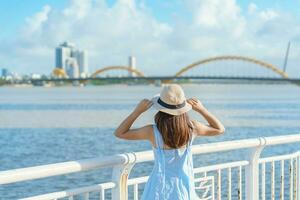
x=120 y=176
x=252 y=171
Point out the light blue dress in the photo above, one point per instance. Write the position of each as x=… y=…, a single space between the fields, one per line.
x=172 y=176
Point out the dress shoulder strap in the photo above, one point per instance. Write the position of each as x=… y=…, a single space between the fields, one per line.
x=158 y=138
x=192 y=135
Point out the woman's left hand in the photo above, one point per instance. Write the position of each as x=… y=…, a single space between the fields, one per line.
x=144 y=105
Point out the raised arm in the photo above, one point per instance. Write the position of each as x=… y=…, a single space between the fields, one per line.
x=214 y=127
x=124 y=131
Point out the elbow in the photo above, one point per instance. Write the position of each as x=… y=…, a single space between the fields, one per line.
x=120 y=134
x=117 y=134
x=221 y=130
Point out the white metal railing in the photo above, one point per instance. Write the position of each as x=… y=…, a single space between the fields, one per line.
x=241 y=179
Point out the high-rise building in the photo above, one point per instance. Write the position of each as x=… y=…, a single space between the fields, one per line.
x=62 y=53
x=5 y=72
x=66 y=54
x=81 y=57
x=132 y=65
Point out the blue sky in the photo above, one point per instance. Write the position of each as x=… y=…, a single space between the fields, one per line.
x=15 y=11
x=147 y=28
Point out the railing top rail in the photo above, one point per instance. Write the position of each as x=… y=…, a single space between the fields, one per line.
x=72 y=192
x=43 y=171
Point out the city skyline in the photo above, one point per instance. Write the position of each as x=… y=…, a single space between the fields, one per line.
x=162 y=36
x=73 y=61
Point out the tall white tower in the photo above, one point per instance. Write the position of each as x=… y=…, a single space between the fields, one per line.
x=132 y=65
x=286 y=56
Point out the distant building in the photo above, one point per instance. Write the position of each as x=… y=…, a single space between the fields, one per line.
x=66 y=55
x=4 y=73
x=35 y=76
x=72 y=68
x=82 y=61
x=62 y=53
x=132 y=65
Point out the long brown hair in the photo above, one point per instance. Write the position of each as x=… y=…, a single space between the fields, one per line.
x=175 y=129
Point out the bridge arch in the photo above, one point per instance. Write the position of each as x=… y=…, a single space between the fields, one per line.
x=99 y=71
x=241 y=58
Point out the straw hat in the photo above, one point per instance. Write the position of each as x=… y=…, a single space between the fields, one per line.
x=171 y=100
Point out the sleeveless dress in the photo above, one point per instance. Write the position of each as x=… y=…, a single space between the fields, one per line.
x=172 y=176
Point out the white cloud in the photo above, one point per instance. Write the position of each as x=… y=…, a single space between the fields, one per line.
x=252 y=8
x=110 y=34
x=211 y=13
x=34 y=23
x=268 y=14
x=78 y=9
x=218 y=16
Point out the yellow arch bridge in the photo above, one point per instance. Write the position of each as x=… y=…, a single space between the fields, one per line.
x=109 y=68
x=234 y=58
x=275 y=69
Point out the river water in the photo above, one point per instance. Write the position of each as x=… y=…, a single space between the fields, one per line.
x=47 y=125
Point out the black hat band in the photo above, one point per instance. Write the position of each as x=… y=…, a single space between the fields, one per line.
x=169 y=106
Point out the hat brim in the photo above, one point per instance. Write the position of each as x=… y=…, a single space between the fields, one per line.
x=179 y=111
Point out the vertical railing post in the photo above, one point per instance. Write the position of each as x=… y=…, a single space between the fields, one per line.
x=298 y=175
x=120 y=176
x=252 y=172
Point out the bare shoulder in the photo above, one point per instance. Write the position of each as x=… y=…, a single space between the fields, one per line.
x=196 y=126
x=150 y=132
x=148 y=128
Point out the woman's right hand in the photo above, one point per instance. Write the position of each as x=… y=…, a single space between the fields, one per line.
x=196 y=104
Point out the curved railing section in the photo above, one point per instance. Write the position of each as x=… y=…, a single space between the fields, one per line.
x=241 y=58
